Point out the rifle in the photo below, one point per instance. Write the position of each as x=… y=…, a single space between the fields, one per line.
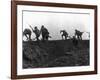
x=31 y=28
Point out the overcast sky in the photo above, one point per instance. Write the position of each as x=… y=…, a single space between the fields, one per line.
x=55 y=22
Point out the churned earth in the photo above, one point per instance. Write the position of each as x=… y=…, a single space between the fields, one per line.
x=55 y=53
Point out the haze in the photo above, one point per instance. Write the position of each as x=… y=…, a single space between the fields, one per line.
x=55 y=22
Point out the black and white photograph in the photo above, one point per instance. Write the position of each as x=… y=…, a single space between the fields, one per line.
x=55 y=39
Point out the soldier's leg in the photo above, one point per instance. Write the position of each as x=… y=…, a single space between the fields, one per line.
x=43 y=37
x=47 y=37
x=26 y=36
x=62 y=36
x=29 y=37
x=81 y=37
x=65 y=37
x=37 y=38
x=78 y=37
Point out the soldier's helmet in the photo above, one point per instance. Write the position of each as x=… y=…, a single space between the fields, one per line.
x=42 y=26
x=35 y=27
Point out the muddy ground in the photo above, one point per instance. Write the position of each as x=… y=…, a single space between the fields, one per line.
x=56 y=53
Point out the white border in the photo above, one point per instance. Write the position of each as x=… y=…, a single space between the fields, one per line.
x=21 y=71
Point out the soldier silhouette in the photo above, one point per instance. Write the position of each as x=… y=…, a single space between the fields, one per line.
x=36 y=31
x=78 y=34
x=64 y=34
x=27 y=33
x=44 y=32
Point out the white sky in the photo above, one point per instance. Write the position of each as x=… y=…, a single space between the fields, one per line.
x=55 y=22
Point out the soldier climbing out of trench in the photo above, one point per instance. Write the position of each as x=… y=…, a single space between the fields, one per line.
x=45 y=33
x=27 y=32
x=64 y=34
x=78 y=34
x=36 y=31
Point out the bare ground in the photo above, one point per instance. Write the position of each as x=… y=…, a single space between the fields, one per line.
x=57 y=53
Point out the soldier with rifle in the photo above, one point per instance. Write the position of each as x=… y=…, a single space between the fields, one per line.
x=36 y=31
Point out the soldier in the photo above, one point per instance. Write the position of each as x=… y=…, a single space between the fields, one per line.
x=44 y=32
x=78 y=34
x=36 y=31
x=65 y=34
x=27 y=33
